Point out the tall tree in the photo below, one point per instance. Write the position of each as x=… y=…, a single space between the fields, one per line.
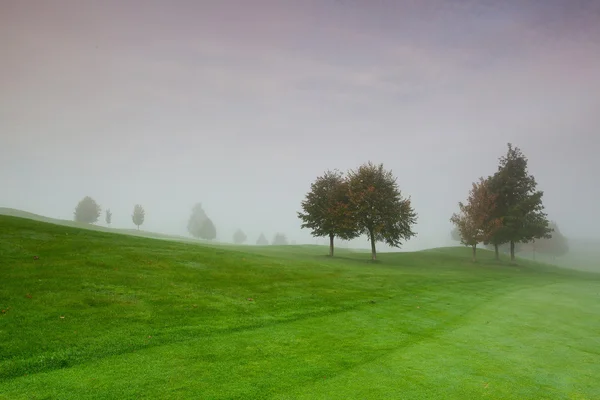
x=262 y=240
x=239 y=237
x=138 y=215
x=519 y=204
x=326 y=209
x=87 y=211
x=208 y=231
x=279 y=240
x=196 y=221
x=108 y=217
x=378 y=208
x=476 y=222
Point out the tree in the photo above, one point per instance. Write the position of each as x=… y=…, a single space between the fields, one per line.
x=378 y=208
x=455 y=234
x=138 y=215
x=326 y=209
x=279 y=240
x=556 y=246
x=196 y=221
x=108 y=217
x=239 y=237
x=208 y=231
x=262 y=240
x=475 y=222
x=87 y=211
x=519 y=204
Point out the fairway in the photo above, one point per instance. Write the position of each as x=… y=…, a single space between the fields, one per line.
x=91 y=314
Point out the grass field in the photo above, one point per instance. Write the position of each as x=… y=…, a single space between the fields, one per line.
x=108 y=316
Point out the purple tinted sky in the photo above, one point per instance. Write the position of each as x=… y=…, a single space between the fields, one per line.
x=240 y=105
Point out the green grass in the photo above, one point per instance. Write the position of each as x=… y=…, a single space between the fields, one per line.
x=102 y=315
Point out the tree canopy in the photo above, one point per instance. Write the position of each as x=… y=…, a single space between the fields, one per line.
x=378 y=208
x=239 y=237
x=262 y=240
x=279 y=239
x=196 y=221
x=87 y=211
x=108 y=217
x=326 y=209
x=207 y=230
x=138 y=215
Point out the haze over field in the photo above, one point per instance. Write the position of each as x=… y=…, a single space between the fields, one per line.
x=240 y=105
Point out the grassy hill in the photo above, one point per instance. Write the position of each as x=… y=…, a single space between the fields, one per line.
x=91 y=314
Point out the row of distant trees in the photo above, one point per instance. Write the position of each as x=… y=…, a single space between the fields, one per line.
x=199 y=224
x=506 y=210
x=88 y=211
x=365 y=201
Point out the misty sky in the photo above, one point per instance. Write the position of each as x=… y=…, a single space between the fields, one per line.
x=240 y=104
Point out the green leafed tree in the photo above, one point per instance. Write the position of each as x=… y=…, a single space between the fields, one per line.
x=87 y=211
x=239 y=237
x=196 y=221
x=208 y=231
x=262 y=240
x=108 y=217
x=519 y=204
x=138 y=215
x=279 y=239
x=474 y=222
x=326 y=209
x=378 y=208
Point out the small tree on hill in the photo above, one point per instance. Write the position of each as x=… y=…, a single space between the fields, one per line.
x=196 y=221
x=262 y=240
x=208 y=231
x=108 y=217
x=279 y=240
x=475 y=223
x=239 y=237
x=326 y=209
x=87 y=211
x=138 y=215
x=378 y=208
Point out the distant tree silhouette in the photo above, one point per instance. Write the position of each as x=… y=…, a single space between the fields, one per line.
x=239 y=237
x=87 y=211
x=108 y=217
x=279 y=240
x=208 y=231
x=196 y=221
x=138 y=215
x=262 y=240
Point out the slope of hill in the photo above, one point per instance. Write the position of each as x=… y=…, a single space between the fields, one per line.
x=91 y=314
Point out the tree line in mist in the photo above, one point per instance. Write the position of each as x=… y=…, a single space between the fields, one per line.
x=200 y=226
x=504 y=209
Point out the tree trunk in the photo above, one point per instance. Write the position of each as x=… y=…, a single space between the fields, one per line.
x=331 y=245
x=496 y=253
x=474 y=253
x=512 y=252
x=373 y=250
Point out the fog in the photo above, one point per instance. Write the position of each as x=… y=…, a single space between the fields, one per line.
x=240 y=105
